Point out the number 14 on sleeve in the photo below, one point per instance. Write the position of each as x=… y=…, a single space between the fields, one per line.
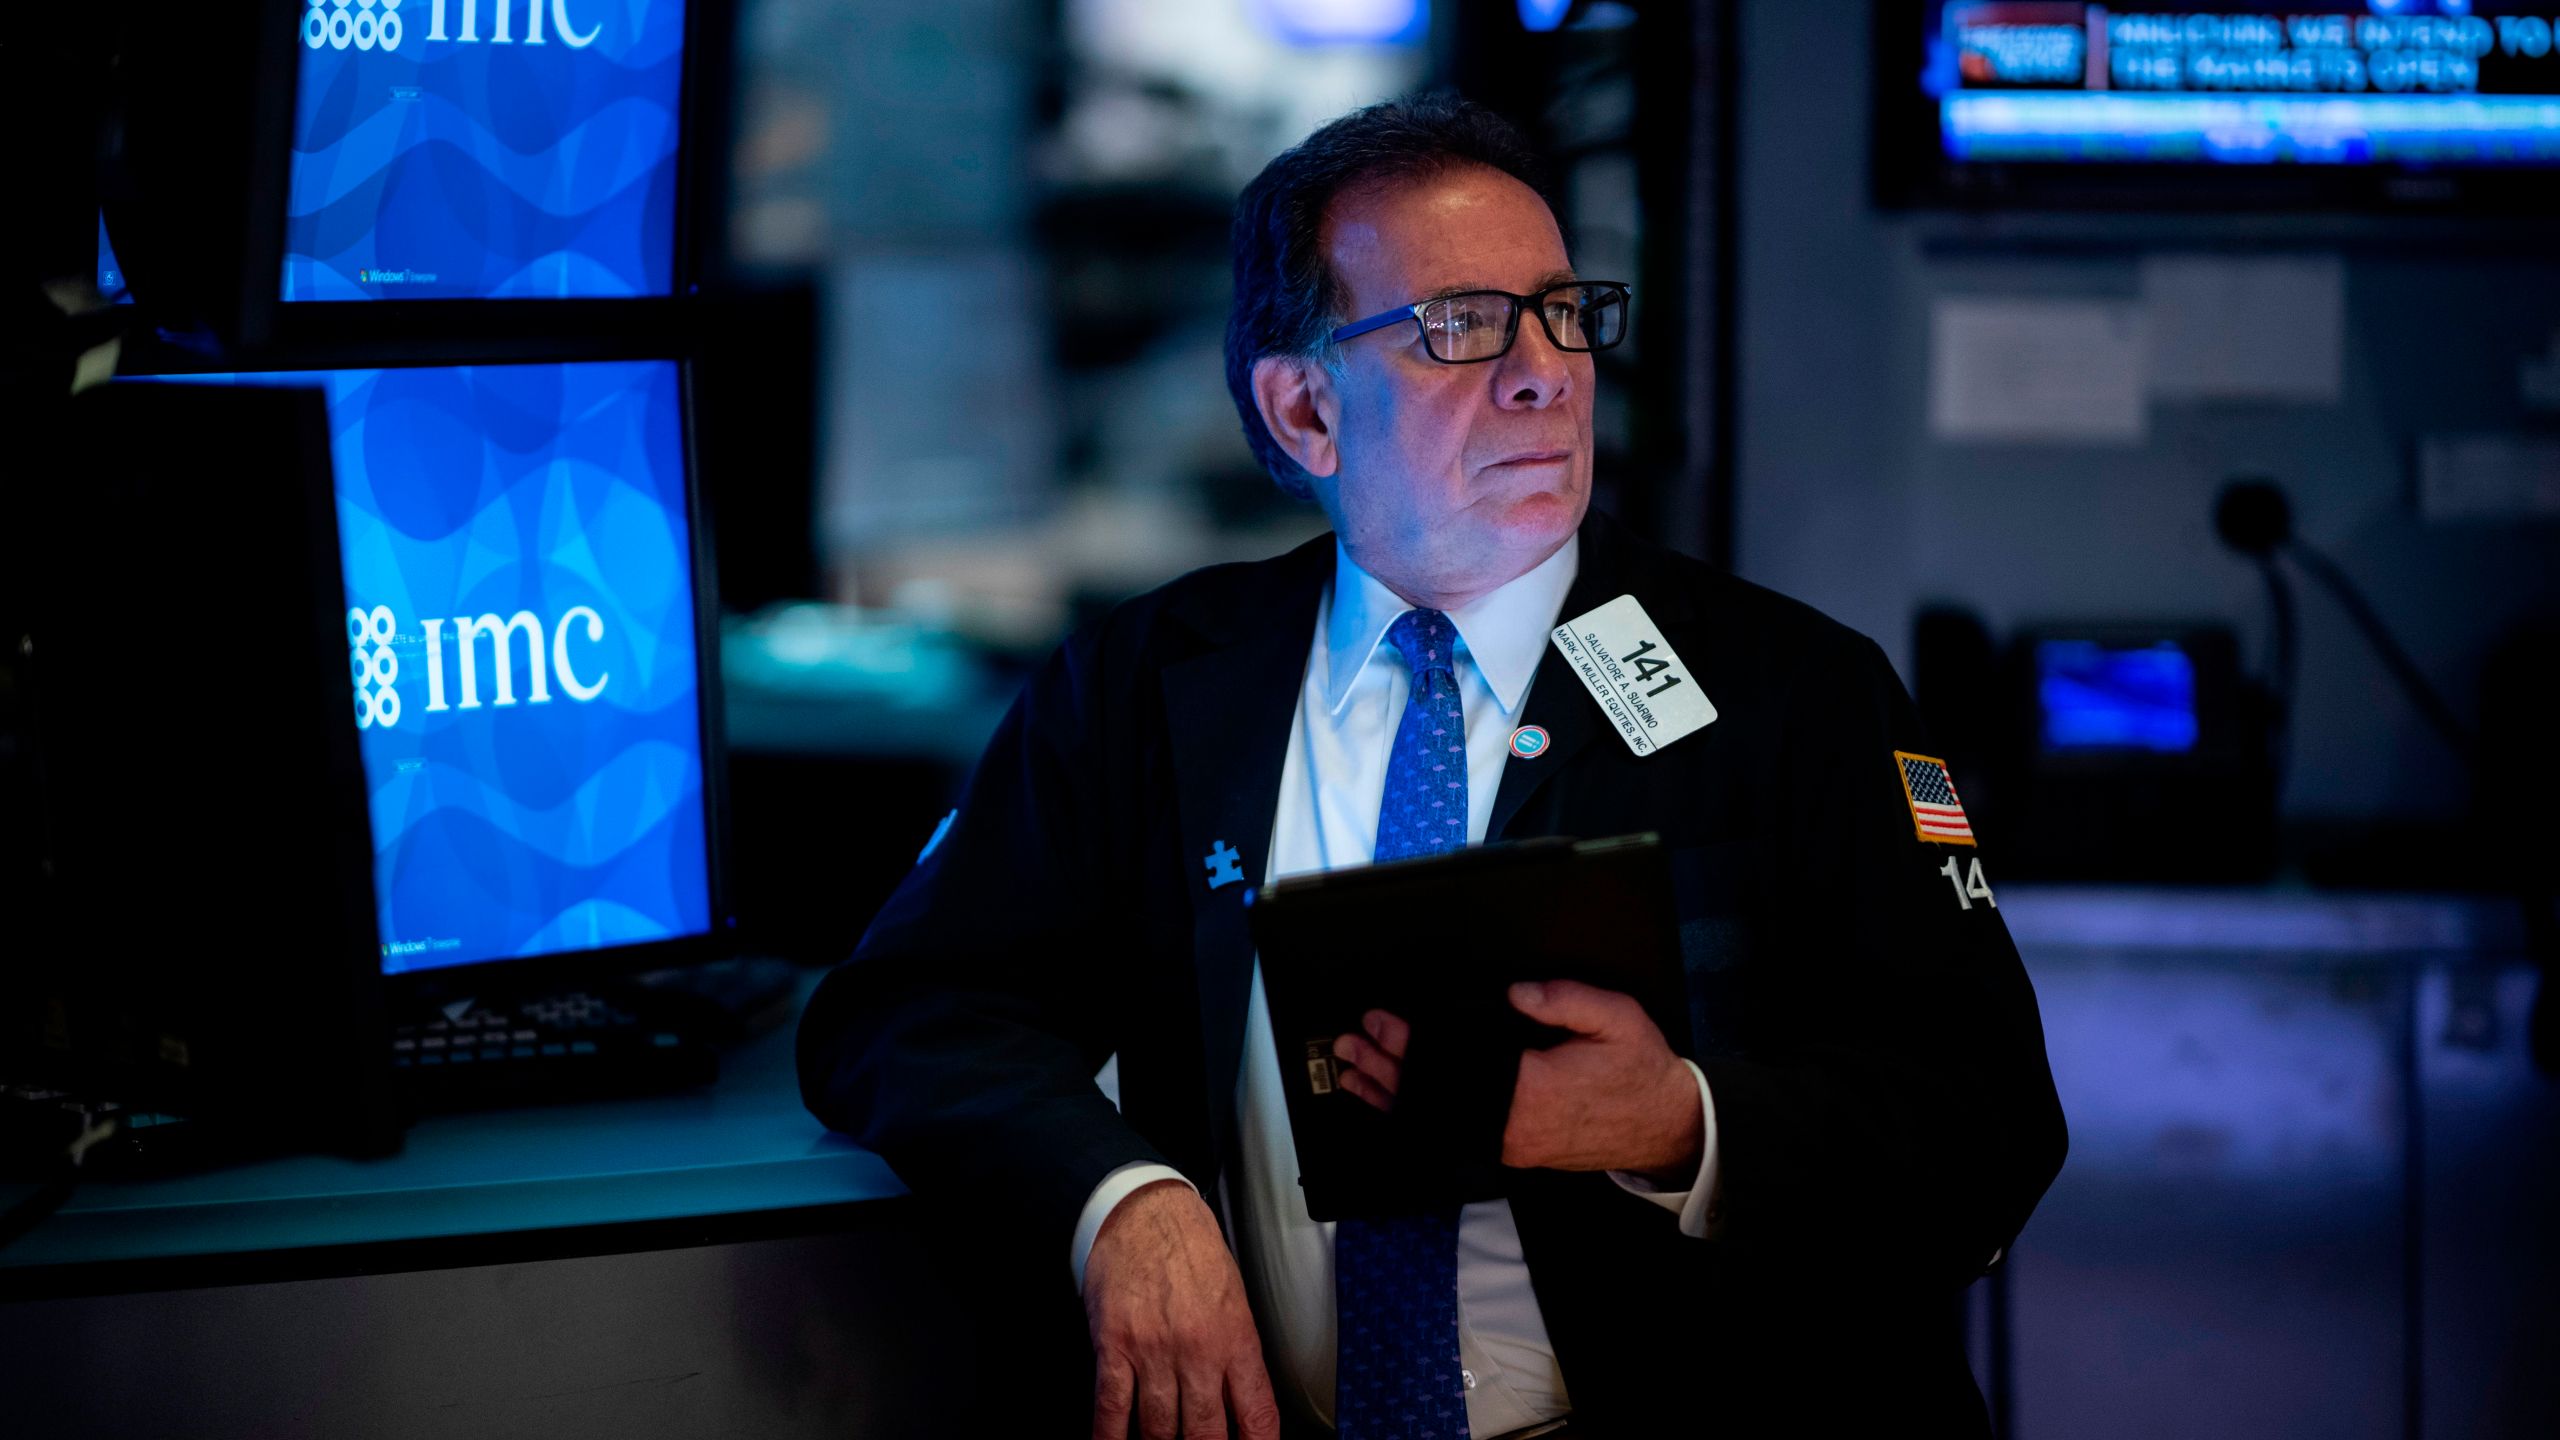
x=1969 y=886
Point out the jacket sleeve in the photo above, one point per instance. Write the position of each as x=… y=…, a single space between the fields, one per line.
x=1891 y=1108
x=961 y=1040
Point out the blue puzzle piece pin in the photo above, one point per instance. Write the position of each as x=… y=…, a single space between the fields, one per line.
x=1221 y=863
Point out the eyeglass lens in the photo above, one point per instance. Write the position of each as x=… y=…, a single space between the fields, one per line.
x=1478 y=325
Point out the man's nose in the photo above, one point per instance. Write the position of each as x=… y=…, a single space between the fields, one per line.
x=1534 y=374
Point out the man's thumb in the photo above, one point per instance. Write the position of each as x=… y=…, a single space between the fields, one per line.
x=1580 y=1008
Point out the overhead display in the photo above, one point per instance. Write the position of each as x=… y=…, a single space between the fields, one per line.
x=2407 y=84
x=484 y=149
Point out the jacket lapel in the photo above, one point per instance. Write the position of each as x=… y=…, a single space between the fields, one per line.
x=1228 y=710
x=1558 y=703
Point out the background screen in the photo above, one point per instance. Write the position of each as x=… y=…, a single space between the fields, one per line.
x=484 y=148
x=2093 y=696
x=2417 y=83
x=521 y=630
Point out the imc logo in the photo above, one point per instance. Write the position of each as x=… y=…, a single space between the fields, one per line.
x=338 y=24
x=368 y=24
x=375 y=668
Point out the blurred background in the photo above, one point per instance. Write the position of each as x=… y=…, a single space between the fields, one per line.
x=1987 y=418
x=2210 y=507
x=1059 y=179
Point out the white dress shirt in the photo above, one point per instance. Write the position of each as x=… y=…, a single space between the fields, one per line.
x=1331 y=783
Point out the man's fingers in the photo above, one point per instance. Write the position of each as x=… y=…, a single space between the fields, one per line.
x=1113 y=1385
x=1366 y=1088
x=1249 y=1397
x=1390 y=1031
x=1204 y=1407
x=1370 y=1061
x=1582 y=1009
x=1159 y=1404
x=1376 y=1058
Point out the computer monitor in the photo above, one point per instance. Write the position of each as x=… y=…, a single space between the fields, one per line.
x=2132 y=750
x=2092 y=695
x=526 y=633
x=485 y=149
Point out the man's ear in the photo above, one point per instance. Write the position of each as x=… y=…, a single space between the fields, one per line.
x=1295 y=395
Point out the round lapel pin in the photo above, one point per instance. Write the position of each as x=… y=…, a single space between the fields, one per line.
x=1529 y=742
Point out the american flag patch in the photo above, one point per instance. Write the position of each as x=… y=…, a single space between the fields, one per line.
x=1935 y=811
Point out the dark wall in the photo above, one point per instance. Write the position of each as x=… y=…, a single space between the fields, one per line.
x=1844 y=500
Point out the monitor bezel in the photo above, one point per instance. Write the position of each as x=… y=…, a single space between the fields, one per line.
x=700 y=118
x=562 y=969
x=1909 y=169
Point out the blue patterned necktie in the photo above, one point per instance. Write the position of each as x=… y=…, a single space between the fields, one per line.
x=1395 y=1281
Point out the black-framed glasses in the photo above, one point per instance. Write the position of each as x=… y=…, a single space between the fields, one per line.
x=1477 y=325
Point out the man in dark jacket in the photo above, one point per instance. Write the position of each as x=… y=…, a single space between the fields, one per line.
x=1767 y=1236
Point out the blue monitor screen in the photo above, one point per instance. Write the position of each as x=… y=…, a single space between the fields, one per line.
x=2412 y=83
x=2093 y=696
x=480 y=149
x=520 y=630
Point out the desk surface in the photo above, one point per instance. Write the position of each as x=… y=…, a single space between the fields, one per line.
x=744 y=1145
x=747 y=1146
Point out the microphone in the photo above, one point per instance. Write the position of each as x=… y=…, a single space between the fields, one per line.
x=2253 y=517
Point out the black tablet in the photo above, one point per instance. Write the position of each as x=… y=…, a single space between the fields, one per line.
x=1439 y=941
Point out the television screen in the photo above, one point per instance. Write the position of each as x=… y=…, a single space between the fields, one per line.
x=2091 y=695
x=521 y=633
x=2405 y=85
x=474 y=149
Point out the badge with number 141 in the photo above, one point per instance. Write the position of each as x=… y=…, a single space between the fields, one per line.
x=1619 y=655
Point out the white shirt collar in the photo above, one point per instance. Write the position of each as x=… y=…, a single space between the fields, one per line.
x=1504 y=631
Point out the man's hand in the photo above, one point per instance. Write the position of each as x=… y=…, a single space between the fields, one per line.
x=1173 y=1339
x=1613 y=1097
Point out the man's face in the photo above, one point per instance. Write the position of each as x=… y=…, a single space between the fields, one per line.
x=1449 y=480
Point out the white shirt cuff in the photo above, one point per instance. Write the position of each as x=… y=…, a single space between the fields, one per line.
x=1106 y=1197
x=1696 y=1206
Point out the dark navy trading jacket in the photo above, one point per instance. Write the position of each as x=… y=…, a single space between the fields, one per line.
x=1885 y=1114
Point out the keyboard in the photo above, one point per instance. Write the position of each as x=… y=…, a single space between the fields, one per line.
x=477 y=1052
